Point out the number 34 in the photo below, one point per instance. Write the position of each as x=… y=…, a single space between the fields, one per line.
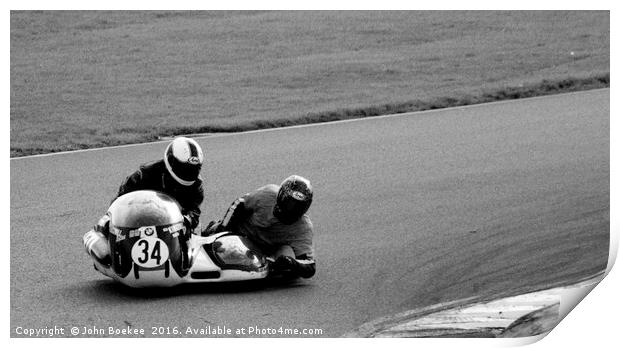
x=149 y=252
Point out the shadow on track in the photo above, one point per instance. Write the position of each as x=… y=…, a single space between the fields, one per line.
x=110 y=288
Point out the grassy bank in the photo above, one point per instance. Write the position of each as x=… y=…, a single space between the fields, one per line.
x=543 y=88
x=88 y=79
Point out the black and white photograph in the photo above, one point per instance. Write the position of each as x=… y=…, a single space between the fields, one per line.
x=304 y=174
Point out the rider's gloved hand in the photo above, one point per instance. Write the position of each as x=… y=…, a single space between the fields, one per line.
x=291 y=267
x=283 y=263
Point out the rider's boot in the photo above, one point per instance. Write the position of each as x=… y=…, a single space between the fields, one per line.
x=97 y=247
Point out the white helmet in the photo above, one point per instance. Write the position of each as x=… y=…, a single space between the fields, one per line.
x=183 y=158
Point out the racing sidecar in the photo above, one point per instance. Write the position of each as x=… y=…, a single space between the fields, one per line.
x=149 y=247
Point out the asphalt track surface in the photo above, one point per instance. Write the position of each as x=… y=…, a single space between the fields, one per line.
x=409 y=211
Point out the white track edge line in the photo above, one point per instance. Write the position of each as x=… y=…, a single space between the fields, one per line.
x=368 y=118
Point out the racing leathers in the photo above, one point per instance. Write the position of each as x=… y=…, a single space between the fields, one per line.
x=154 y=176
x=252 y=216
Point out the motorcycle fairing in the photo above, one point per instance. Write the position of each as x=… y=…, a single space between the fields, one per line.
x=150 y=241
x=148 y=246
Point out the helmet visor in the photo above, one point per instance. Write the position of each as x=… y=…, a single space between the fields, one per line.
x=289 y=209
x=183 y=170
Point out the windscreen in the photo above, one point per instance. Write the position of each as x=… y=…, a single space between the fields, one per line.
x=238 y=252
x=144 y=208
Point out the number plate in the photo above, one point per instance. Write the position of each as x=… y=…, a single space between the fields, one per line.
x=150 y=252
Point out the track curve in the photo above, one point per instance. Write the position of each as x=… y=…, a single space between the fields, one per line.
x=410 y=210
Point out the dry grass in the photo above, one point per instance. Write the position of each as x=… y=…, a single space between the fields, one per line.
x=87 y=79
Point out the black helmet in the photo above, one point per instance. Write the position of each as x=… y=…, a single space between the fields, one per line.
x=294 y=199
x=183 y=158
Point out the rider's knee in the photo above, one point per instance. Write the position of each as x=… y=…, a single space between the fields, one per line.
x=96 y=245
x=284 y=250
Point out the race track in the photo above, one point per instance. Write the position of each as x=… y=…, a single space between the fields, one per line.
x=409 y=211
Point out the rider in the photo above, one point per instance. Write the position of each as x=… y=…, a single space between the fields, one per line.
x=274 y=217
x=177 y=174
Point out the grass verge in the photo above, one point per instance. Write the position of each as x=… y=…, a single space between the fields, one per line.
x=545 y=87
